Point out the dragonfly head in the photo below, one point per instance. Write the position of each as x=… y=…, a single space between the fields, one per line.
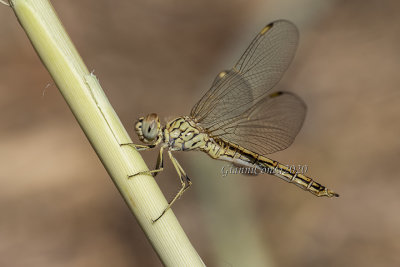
x=149 y=129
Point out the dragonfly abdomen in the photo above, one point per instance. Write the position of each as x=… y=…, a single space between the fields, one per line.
x=243 y=157
x=294 y=177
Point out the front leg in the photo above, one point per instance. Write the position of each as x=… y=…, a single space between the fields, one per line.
x=138 y=147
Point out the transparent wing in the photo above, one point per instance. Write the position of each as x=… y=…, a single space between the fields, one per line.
x=261 y=66
x=269 y=126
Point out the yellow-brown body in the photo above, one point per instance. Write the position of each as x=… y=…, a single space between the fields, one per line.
x=183 y=134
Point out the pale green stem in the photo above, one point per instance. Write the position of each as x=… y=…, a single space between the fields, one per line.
x=104 y=130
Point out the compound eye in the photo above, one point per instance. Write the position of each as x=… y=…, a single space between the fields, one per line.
x=150 y=127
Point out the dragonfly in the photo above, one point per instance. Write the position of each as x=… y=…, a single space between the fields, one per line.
x=238 y=119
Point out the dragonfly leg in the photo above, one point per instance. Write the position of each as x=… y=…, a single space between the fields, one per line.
x=185 y=182
x=159 y=166
x=160 y=162
x=138 y=147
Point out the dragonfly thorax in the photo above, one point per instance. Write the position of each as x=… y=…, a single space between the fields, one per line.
x=183 y=134
x=149 y=130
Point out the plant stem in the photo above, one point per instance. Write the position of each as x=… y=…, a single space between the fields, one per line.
x=104 y=130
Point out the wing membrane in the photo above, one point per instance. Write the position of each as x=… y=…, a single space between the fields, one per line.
x=261 y=66
x=269 y=126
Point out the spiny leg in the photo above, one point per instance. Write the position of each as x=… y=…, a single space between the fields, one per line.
x=138 y=147
x=160 y=162
x=188 y=182
x=159 y=166
x=185 y=181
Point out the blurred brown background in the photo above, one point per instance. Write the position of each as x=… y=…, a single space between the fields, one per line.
x=58 y=207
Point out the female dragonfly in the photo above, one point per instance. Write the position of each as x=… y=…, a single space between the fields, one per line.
x=238 y=120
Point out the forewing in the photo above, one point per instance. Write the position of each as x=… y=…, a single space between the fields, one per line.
x=257 y=71
x=269 y=126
